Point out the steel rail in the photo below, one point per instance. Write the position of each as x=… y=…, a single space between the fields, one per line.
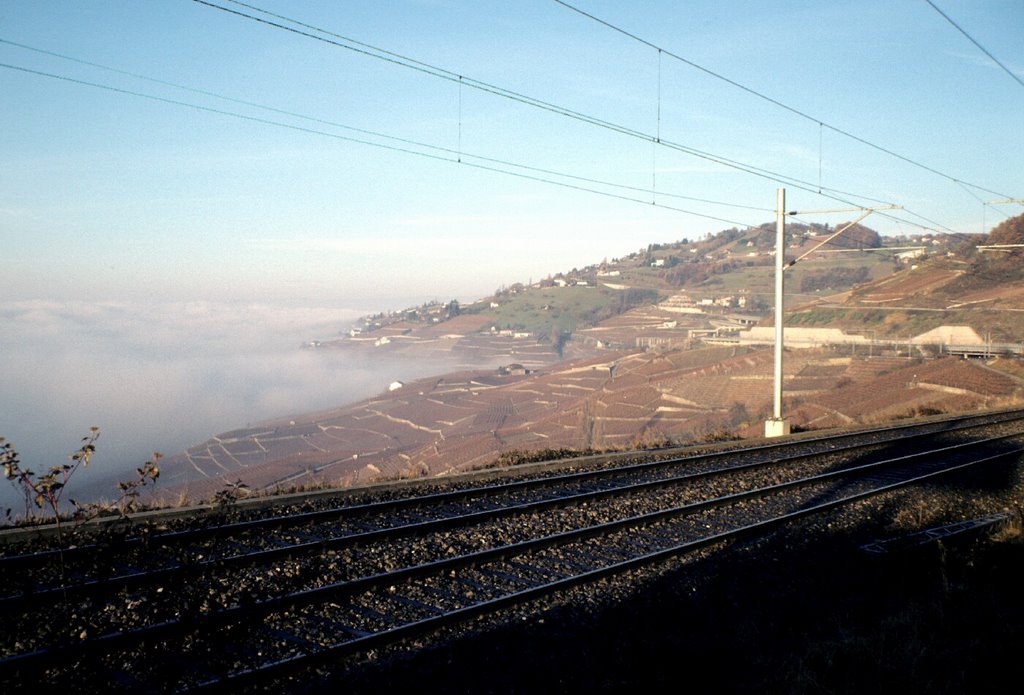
x=21 y=561
x=396 y=634
x=187 y=535
x=249 y=612
x=181 y=569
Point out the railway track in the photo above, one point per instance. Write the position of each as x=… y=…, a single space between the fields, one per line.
x=238 y=603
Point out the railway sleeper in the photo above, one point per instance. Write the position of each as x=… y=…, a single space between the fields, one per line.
x=506 y=576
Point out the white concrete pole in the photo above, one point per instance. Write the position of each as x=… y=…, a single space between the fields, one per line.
x=778 y=426
x=780 y=266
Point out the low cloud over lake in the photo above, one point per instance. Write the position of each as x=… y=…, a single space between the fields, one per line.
x=165 y=376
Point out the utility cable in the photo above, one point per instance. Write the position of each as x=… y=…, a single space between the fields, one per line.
x=984 y=204
x=442 y=73
x=980 y=47
x=776 y=102
x=492 y=165
x=420 y=66
x=488 y=163
x=774 y=176
x=457 y=152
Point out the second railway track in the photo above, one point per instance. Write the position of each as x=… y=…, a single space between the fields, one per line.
x=242 y=601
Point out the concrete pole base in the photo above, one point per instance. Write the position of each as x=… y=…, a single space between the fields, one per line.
x=776 y=428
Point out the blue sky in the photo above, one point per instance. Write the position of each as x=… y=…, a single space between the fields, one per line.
x=162 y=262
x=105 y=195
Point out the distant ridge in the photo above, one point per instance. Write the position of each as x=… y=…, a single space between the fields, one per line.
x=644 y=350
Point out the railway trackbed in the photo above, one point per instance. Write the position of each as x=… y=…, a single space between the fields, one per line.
x=235 y=604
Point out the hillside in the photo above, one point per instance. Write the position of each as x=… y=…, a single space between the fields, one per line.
x=930 y=294
x=973 y=281
x=643 y=350
x=619 y=400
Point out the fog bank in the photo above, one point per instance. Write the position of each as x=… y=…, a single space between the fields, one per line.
x=163 y=377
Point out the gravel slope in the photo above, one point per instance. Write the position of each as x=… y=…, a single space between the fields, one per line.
x=805 y=611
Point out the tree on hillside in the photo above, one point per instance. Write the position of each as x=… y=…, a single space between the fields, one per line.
x=995 y=267
x=1009 y=231
x=835 y=277
x=727 y=235
x=966 y=247
x=857 y=237
x=688 y=274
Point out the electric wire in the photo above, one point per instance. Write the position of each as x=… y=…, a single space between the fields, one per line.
x=980 y=47
x=771 y=100
x=492 y=164
x=457 y=152
x=757 y=171
x=442 y=73
x=845 y=197
x=984 y=204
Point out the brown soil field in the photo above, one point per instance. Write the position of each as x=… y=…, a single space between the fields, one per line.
x=618 y=400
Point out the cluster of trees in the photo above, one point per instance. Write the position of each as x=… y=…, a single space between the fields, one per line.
x=668 y=247
x=857 y=237
x=694 y=273
x=620 y=303
x=669 y=261
x=1010 y=231
x=996 y=266
x=634 y=297
x=1003 y=265
x=835 y=277
x=688 y=274
x=517 y=287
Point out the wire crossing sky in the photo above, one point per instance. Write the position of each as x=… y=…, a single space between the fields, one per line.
x=187 y=193
x=981 y=48
x=174 y=150
x=770 y=100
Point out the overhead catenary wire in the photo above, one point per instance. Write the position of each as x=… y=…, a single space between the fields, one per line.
x=444 y=151
x=821 y=151
x=748 y=168
x=984 y=204
x=654 y=145
x=771 y=100
x=341 y=41
x=979 y=46
x=332 y=38
x=485 y=163
x=323 y=121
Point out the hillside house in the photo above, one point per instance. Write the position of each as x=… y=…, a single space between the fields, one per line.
x=907 y=256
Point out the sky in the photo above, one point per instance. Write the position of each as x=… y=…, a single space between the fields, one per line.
x=183 y=187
